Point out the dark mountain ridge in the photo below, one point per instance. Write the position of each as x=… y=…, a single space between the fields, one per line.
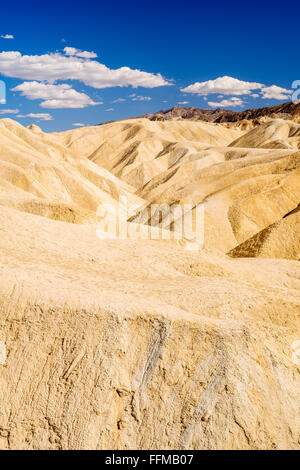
x=219 y=115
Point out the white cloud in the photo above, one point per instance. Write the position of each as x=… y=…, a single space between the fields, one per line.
x=9 y=111
x=38 y=116
x=109 y=109
x=55 y=96
x=56 y=66
x=276 y=93
x=119 y=100
x=78 y=124
x=183 y=102
x=224 y=103
x=78 y=53
x=141 y=98
x=232 y=86
x=7 y=36
x=222 y=85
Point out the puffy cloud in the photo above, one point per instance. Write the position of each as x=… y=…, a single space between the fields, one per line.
x=9 y=111
x=38 y=116
x=142 y=98
x=232 y=86
x=78 y=53
x=52 y=67
x=276 y=93
x=224 y=103
x=7 y=36
x=222 y=85
x=55 y=96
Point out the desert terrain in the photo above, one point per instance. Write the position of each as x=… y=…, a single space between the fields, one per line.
x=139 y=343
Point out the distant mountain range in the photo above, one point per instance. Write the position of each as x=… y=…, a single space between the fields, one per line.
x=285 y=111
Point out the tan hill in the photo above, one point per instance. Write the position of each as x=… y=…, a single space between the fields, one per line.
x=243 y=187
x=138 y=150
x=40 y=175
x=276 y=133
x=278 y=240
x=142 y=343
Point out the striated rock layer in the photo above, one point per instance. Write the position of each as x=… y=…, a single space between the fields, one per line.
x=143 y=344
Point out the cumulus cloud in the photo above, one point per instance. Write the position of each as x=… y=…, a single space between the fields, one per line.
x=142 y=98
x=57 y=66
x=78 y=53
x=7 y=36
x=232 y=86
x=54 y=96
x=9 y=111
x=226 y=103
x=38 y=116
x=276 y=93
x=222 y=85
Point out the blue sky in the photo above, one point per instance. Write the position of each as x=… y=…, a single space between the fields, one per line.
x=170 y=51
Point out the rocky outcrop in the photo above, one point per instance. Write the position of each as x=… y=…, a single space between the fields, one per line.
x=285 y=111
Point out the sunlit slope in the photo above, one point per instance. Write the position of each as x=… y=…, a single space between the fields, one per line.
x=279 y=240
x=40 y=175
x=240 y=197
x=137 y=150
x=245 y=180
x=275 y=133
x=246 y=183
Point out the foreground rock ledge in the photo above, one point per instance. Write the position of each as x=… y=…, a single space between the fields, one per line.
x=79 y=379
x=142 y=345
